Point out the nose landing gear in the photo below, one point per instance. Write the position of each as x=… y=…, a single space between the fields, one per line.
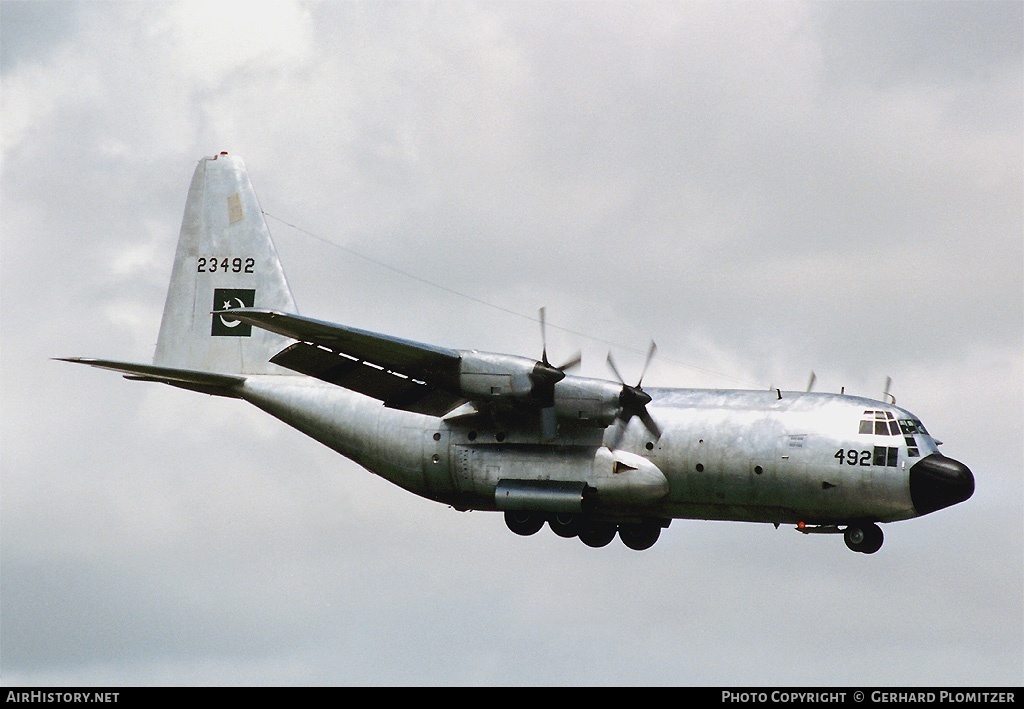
x=865 y=538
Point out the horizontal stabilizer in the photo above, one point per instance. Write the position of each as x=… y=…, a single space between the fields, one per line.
x=207 y=382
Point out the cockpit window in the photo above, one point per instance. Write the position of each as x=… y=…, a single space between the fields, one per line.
x=912 y=451
x=879 y=423
x=910 y=426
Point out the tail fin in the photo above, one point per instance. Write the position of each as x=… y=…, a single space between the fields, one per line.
x=225 y=259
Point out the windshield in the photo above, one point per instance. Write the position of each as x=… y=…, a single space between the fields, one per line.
x=911 y=426
x=879 y=423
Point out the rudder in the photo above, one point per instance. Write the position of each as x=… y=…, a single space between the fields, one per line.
x=225 y=259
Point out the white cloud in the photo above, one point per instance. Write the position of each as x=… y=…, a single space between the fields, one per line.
x=213 y=41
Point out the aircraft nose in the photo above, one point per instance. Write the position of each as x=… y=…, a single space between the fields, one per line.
x=937 y=481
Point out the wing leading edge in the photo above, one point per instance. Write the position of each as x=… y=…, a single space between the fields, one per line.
x=406 y=375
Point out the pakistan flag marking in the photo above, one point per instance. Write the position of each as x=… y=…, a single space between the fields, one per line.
x=231 y=299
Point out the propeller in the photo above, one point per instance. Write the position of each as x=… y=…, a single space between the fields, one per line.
x=886 y=396
x=543 y=378
x=633 y=401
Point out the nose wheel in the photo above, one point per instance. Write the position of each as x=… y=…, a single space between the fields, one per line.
x=865 y=538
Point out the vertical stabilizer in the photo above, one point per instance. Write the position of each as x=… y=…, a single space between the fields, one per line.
x=225 y=260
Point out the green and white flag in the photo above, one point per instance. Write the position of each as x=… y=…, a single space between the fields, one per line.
x=231 y=299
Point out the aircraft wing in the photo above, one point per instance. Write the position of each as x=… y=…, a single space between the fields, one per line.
x=405 y=375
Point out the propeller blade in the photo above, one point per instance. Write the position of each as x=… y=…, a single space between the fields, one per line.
x=633 y=401
x=611 y=363
x=649 y=423
x=544 y=378
x=810 y=382
x=573 y=362
x=544 y=338
x=650 y=356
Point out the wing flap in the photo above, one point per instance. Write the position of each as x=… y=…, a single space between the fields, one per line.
x=403 y=374
x=395 y=389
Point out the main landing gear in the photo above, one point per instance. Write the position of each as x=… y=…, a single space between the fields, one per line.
x=592 y=532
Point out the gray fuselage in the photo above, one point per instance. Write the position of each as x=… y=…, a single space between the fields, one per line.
x=759 y=456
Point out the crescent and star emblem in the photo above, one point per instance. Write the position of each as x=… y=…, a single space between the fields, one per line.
x=226 y=299
x=228 y=305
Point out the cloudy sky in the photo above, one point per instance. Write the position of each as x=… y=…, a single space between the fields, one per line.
x=766 y=189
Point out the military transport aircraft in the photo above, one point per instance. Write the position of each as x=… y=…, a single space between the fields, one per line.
x=592 y=458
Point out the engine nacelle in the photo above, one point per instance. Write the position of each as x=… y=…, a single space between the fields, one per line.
x=487 y=376
x=593 y=401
